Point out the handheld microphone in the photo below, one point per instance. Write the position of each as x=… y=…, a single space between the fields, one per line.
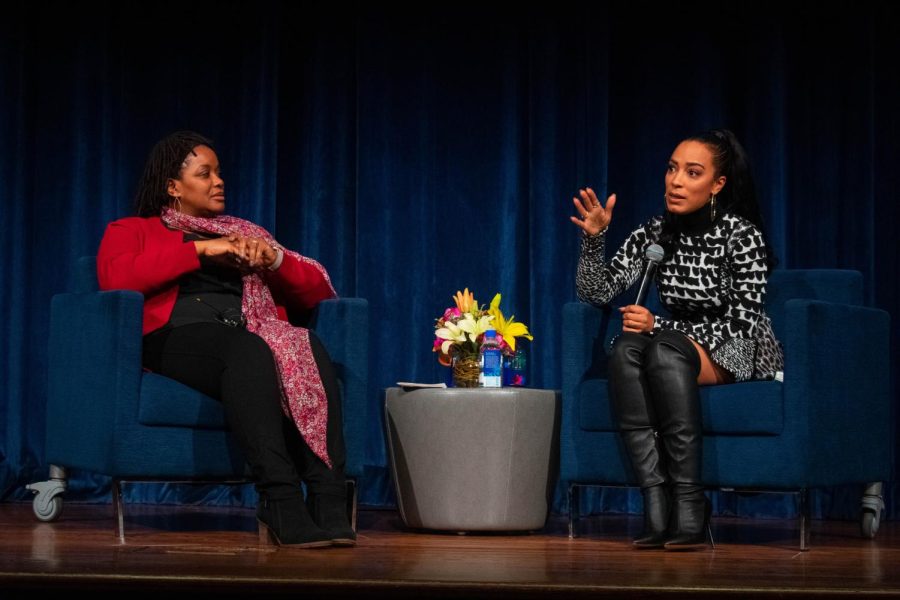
x=654 y=255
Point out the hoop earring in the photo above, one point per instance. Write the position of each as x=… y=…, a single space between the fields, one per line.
x=712 y=208
x=177 y=204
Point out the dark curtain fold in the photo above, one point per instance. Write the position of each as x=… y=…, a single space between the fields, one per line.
x=418 y=152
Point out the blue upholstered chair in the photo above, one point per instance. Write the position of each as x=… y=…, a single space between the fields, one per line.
x=828 y=423
x=107 y=415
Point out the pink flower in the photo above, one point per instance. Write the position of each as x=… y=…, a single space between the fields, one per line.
x=452 y=313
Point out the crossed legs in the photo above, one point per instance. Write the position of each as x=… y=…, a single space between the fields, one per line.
x=654 y=392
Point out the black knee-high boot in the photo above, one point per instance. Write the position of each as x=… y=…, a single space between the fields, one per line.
x=671 y=368
x=634 y=411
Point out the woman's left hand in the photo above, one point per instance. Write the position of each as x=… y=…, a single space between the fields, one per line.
x=636 y=318
x=257 y=254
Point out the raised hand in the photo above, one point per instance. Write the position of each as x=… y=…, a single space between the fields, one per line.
x=594 y=217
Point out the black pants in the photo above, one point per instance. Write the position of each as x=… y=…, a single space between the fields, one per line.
x=237 y=368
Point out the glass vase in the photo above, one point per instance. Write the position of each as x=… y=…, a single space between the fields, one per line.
x=466 y=370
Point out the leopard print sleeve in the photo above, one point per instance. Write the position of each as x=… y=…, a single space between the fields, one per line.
x=598 y=282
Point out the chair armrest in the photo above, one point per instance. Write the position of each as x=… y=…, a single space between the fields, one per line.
x=580 y=329
x=837 y=389
x=343 y=326
x=585 y=331
x=94 y=362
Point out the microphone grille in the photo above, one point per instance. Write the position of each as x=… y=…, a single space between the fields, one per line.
x=654 y=253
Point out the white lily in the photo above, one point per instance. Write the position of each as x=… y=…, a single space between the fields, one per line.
x=475 y=328
x=451 y=333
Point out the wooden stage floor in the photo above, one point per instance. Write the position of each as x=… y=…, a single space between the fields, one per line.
x=203 y=552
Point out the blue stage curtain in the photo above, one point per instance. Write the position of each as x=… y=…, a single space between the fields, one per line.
x=418 y=152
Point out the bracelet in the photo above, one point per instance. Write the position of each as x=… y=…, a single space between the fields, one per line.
x=595 y=235
x=278 y=259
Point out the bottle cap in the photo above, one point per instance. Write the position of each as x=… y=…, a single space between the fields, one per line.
x=490 y=333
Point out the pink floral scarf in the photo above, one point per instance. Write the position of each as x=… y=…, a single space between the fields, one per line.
x=302 y=393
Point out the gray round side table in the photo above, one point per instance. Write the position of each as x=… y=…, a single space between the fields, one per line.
x=473 y=459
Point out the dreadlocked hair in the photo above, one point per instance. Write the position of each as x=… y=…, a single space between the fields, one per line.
x=165 y=162
x=738 y=196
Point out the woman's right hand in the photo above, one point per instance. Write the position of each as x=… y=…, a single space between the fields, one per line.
x=223 y=251
x=594 y=216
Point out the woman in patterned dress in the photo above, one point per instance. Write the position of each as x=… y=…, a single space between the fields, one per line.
x=216 y=294
x=713 y=282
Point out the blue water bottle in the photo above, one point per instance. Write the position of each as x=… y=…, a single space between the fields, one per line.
x=514 y=369
x=491 y=360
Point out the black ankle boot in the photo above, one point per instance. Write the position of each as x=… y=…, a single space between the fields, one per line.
x=690 y=519
x=656 y=518
x=329 y=511
x=289 y=523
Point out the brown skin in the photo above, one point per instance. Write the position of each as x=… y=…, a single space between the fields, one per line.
x=200 y=192
x=691 y=178
x=691 y=181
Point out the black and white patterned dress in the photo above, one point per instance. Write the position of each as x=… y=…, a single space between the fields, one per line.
x=713 y=283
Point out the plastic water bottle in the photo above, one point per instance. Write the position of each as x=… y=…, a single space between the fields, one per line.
x=514 y=369
x=491 y=360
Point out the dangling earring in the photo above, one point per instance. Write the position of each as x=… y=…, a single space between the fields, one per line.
x=712 y=208
x=177 y=203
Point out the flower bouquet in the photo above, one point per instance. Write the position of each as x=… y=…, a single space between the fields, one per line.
x=458 y=335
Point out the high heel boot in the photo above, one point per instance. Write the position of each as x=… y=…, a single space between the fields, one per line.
x=634 y=413
x=657 y=509
x=288 y=523
x=690 y=526
x=328 y=508
x=671 y=368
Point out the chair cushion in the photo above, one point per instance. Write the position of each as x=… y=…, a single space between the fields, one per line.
x=165 y=402
x=750 y=408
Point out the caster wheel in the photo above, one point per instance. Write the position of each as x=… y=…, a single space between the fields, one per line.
x=47 y=511
x=868 y=524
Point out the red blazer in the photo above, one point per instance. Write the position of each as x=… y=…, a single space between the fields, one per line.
x=143 y=255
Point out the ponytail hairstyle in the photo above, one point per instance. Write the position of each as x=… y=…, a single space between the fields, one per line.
x=738 y=196
x=165 y=162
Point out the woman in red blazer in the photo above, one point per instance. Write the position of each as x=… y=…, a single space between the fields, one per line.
x=217 y=289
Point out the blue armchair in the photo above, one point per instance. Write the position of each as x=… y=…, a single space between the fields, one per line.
x=106 y=415
x=828 y=422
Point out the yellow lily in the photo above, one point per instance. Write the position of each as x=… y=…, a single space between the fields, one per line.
x=508 y=328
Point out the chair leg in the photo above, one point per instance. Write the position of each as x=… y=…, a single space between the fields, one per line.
x=352 y=496
x=118 y=510
x=58 y=472
x=804 y=519
x=574 y=508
